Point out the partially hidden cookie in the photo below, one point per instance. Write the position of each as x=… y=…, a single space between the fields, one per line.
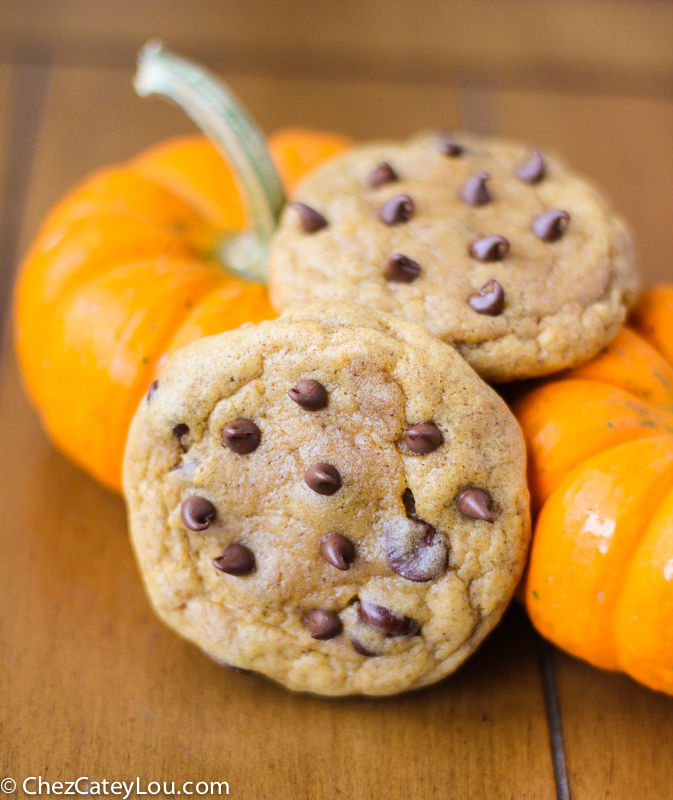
x=497 y=249
x=333 y=499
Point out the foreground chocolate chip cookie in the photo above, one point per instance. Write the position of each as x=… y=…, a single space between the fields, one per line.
x=346 y=509
x=496 y=249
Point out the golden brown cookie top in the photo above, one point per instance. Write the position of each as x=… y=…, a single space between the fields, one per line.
x=495 y=248
x=333 y=498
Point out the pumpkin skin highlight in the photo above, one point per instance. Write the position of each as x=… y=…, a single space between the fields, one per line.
x=122 y=273
x=599 y=582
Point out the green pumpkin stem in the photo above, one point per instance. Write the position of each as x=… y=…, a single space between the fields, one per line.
x=222 y=118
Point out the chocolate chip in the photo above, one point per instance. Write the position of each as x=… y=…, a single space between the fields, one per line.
x=197 y=513
x=337 y=550
x=533 y=171
x=474 y=191
x=237 y=559
x=551 y=225
x=386 y=620
x=448 y=147
x=409 y=502
x=323 y=478
x=415 y=550
x=414 y=569
x=309 y=394
x=323 y=624
x=401 y=269
x=398 y=209
x=150 y=392
x=180 y=430
x=490 y=300
x=241 y=436
x=475 y=503
x=490 y=248
x=383 y=174
x=429 y=559
x=362 y=650
x=423 y=438
x=311 y=220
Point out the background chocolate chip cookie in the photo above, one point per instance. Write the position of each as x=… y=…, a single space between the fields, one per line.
x=334 y=499
x=495 y=248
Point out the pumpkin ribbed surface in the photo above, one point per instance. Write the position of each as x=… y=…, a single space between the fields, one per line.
x=600 y=443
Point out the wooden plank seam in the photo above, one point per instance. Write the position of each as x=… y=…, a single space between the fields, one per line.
x=554 y=725
x=28 y=105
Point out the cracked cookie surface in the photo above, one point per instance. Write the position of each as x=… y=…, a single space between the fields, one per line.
x=333 y=499
x=502 y=252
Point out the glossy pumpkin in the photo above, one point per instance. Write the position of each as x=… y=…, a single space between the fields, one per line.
x=600 y=442
x=123 y=272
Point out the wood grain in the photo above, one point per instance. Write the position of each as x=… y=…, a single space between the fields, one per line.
x=616 y=45
x=92 y=684
x=7 y=75
x=8 y=219
x=22 y=92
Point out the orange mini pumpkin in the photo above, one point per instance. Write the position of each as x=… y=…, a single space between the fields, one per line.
x=130 y=265
x=600 y=442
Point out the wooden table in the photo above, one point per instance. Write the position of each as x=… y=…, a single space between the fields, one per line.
x=91 y=684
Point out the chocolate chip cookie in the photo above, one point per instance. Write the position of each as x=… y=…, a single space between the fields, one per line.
x=334 y=499
x=497 y=249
